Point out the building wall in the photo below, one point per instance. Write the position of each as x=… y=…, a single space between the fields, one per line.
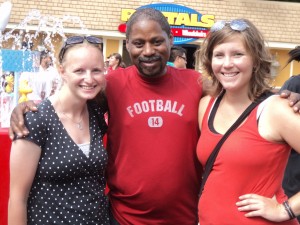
x=112 y=47
x=277 y=21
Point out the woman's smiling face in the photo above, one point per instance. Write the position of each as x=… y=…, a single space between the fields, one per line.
x=232 y=63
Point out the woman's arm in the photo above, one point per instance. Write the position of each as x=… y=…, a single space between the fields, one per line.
x=17 y=119
x=294 y=203
x=293 y=98
x=268 y=208
x=284 y=122
x=24 y=160
x=279 y=123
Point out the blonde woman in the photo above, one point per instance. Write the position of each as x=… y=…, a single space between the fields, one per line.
x=57 y=171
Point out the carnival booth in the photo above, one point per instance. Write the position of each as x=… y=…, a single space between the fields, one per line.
x=13 y=64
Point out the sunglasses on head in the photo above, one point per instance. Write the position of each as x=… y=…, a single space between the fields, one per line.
x=237 y=25
x=77 y=40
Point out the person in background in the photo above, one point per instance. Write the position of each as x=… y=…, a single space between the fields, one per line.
x=45 y=61
x=50 y=74
x=178 y=57
x=45 y=82
x=245 y=183
x=114 y=62
x=291 y=179
x=122 y=65
x=39 y=81
x=106 y=65
x=153 y=173
x=57 y=171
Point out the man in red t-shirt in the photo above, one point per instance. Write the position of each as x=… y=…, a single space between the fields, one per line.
x=153 y=174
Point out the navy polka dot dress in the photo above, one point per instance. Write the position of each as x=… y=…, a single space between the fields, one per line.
x=69 y=186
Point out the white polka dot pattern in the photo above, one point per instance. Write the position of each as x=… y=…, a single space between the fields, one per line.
x=68 y=187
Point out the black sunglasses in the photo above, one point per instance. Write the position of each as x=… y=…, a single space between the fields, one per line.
x=77 y=40
x=184 y=58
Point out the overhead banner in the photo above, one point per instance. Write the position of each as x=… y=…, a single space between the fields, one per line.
x=187 y=24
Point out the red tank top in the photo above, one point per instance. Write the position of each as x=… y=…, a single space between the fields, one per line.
x=246 y=163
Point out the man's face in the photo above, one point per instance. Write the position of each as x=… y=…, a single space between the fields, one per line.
x=149 y=48
x=181 y=61
x=47 y=61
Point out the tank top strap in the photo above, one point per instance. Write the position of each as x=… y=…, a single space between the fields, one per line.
x=208 y=111
x=261 y=106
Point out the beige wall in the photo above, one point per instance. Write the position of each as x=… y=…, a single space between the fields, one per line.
x=277 y=21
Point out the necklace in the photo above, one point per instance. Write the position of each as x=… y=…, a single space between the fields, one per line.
x=78 y=124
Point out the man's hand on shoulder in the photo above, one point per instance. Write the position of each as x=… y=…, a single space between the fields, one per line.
x=17 y=119
x=293 y=98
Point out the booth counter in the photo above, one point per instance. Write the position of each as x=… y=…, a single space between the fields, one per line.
x=14 y=63
x=5 y=144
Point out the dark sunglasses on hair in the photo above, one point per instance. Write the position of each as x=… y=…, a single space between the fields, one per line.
x=184 y=58
x=77 y=40
x=238 y=25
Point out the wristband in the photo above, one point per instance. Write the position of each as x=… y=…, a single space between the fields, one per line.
x=288 y=209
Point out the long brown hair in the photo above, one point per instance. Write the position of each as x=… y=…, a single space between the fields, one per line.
x=254 y=43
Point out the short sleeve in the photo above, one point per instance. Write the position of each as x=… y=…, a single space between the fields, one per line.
x=292 y=84
x=99 y=116
x=36 y=126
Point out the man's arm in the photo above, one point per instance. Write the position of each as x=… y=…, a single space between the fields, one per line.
x=17 y=126
x=293 y=98
x=17 y=117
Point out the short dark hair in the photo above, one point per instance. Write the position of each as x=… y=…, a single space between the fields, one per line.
x=43 y=54
x=294 y=54
x=149 y=14
x=176 y=51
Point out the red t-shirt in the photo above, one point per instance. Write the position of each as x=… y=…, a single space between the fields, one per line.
x=110 y=69
x=153 y=171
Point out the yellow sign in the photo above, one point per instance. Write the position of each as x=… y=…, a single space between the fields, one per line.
x=178 y=19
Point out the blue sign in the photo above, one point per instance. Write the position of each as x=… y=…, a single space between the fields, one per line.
x=19 y=60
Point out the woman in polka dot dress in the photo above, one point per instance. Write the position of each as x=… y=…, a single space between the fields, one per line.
x=57 y=171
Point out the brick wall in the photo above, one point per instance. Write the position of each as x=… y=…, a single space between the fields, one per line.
x=278 y=21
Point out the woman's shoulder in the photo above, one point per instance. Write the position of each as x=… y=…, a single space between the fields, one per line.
x=276 y=109
x=205 y=100
x=44 y=108
x=275 y=101
x=277 y=120
x=203 y=104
